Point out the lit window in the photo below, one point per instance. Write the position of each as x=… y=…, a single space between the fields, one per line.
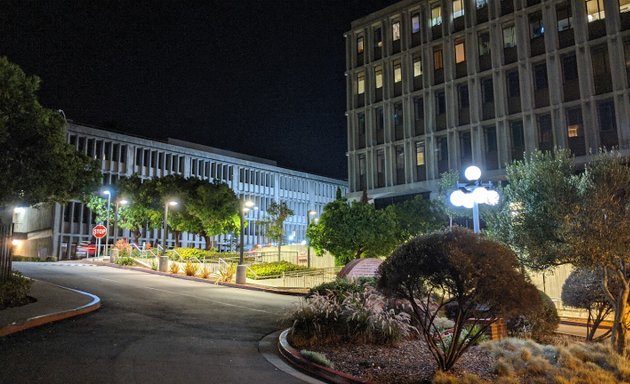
x=460 y=52
x=436 y=15
x=415 y=23
x=397 y=72
x=360 y=45
x=417 y=67
x=509 y=39
x=378 y=77
x=420 y=153
x=438 y=62
x=536 y=27
x=458 y=8
x=361 y=83
x=396 y=30
x=595 y=10
x=573 y=130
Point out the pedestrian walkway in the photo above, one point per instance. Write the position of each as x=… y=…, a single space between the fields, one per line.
x=54 y=303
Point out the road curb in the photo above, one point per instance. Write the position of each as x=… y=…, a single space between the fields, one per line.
x=55 y=316
x=202 y=280
x=294 y=357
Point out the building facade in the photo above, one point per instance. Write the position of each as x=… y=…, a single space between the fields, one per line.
x=59 y=230
x=440 y=85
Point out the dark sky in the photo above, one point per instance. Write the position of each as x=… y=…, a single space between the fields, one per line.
x=258 y=77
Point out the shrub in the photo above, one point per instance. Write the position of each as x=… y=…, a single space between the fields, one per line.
x=364 y=317
x=480 y=276
x=539 y=325
x=583 y=289
x=227 y=274
x=123 y=247
x=199 y=254
x=341 y=288
x=125 y=260
x=205 y=272
x=14 y=291
x=154 y=265
x=190 y=269
x=174 y=267
x=317 y=358
x=272 y=269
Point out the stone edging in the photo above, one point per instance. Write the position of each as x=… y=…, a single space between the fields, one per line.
x=294 y=357
x=55 y=316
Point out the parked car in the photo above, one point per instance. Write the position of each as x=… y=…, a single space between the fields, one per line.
x=86 y=250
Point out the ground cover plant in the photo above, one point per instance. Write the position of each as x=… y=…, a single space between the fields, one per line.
x=476 y=277
x=14 y=291
x=273 y=269
x=125 y=260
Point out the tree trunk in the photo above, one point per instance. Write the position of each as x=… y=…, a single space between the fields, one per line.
x=209 y=241
x=620 y=332
x=279 y=248
x=136 y=236
x=176 y=236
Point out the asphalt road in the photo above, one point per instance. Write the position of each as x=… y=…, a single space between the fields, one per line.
x=150 y=329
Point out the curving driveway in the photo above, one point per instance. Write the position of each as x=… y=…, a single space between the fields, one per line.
x=150 y=329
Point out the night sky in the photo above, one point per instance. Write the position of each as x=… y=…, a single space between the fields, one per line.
x=263 y=78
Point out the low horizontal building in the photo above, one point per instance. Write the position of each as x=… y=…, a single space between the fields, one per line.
x=58 y=231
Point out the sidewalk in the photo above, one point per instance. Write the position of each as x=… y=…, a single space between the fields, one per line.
x=54 y=303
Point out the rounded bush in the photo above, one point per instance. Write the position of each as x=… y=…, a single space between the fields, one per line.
x=539 y=325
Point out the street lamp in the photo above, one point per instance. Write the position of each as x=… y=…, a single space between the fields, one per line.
x=308 y=242
x=241 y=269
x=109 y=201
x=473 y=193
x=163 y=261
x=119 y=202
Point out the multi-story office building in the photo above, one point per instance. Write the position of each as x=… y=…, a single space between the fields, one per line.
x=439 y=85
x=58 y=231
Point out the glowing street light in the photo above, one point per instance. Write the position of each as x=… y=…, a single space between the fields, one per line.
x=241 y=268
x=470 y=195
x=308 y=242
x=109 y=200
x=163 y=261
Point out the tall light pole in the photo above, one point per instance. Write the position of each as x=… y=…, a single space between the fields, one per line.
x=308 y=241
x=163 y=261
x=117 y=205
x=241 y=269
x=109 y=201
x=473 y=193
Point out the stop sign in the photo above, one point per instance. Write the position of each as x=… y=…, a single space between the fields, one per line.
x=99 y=231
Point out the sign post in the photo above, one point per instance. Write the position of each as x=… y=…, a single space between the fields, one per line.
x=99 y=232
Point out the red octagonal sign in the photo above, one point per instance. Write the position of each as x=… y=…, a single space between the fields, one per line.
x=99 y=231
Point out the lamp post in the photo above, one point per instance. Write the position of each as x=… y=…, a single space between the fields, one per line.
x=163 y=261
x=109 y=201
x=308 y=241
x=117 y=205
x=241 y=269
x=473 y=193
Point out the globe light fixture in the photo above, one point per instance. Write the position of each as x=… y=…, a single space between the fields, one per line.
x=470 y=195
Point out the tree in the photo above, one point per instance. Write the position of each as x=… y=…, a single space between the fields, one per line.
x=554 y=217
x=583 y=289
x=216 y=207
x=37 y=166
x=476 y=277
x=418 y=216
x=353 y=230
x=278 y=213
x=136 y=215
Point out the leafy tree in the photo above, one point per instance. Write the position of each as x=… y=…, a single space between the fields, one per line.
x=598 y=229
x=541 y=192
x=583 y=289
x=37 y=165
x=479 y=278
x=353 y=230
x=418 y=216
x=216 y=207
x=278 y=213
x=555 y=217
x=135 y=216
